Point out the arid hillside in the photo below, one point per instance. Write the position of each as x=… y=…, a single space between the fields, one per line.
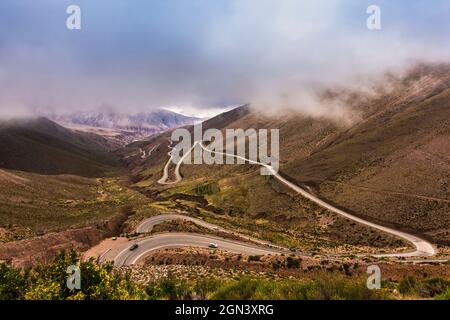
x=389 y=163
x=42 y=146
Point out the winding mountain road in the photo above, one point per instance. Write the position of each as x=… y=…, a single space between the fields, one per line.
x=423 y=247
x=145 y=155
x=180 y=240
x=176 y=240
x=164 y=179
x=148 y=224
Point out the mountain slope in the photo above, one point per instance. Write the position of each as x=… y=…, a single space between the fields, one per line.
x=42 y=146
x=389 y=165
x=124 y=128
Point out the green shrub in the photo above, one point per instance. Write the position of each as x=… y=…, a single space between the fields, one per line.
x=169 y=288
x=254 y=258
x=49 y=282
x=206 y=189
x=276 y=265
x=426 y=288
x=293 y=263
x=204 y=287
x=12 y=283
x=407 y=285
x=242 y=290
x=436 y=286
x=325 y=287
x=444 y=295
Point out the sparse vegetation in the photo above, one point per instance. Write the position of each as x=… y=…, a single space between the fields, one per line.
x=99 y=282
x=43 y=204
x=254 y=258
x=293 y=262
x=333 y=287
x=429 y=288
x=206 y=189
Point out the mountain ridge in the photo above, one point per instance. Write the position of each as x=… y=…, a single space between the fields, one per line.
x=121 y=127
x=40 y=145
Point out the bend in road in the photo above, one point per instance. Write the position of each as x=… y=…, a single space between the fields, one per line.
x=164 y=179
x=177 y=240
x=148 y=224
x=423 y=247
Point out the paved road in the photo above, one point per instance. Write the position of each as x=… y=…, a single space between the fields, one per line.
x=177 y=240
x=145 y=155
x=423 y=247
x=165 y=175
x=164 y=179
x=148 y=224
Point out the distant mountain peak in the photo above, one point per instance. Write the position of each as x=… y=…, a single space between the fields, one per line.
x=125 y=127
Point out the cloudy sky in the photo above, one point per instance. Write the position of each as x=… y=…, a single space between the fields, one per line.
x=203 y=55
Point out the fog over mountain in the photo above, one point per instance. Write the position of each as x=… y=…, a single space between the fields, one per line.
x=136 y=56
x=157 y=119
x=120 y=126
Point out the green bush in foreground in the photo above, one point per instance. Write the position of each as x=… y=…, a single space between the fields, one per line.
x=332 y=287
x=327 y=287
x=101 y=282
x=12 y=283
x=444 y=295
x=173 y=289
x=434 y=287
x=48 y=282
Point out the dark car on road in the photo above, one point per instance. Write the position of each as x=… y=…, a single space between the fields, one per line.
x=134 y=247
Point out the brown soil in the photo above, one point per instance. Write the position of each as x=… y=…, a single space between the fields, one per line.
x=44 y=248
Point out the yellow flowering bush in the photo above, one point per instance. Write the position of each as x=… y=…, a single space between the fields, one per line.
x=49 y=282
x=44 y=290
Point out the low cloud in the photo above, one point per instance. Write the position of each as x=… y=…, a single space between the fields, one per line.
x=272 y=54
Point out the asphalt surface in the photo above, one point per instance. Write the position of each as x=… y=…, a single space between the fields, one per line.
x=148 y=224
x=164 y=179
x=423 y=247
x=179 y=240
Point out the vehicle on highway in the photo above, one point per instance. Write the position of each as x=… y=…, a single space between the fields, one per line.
x=134 y=247
x=213 y=245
